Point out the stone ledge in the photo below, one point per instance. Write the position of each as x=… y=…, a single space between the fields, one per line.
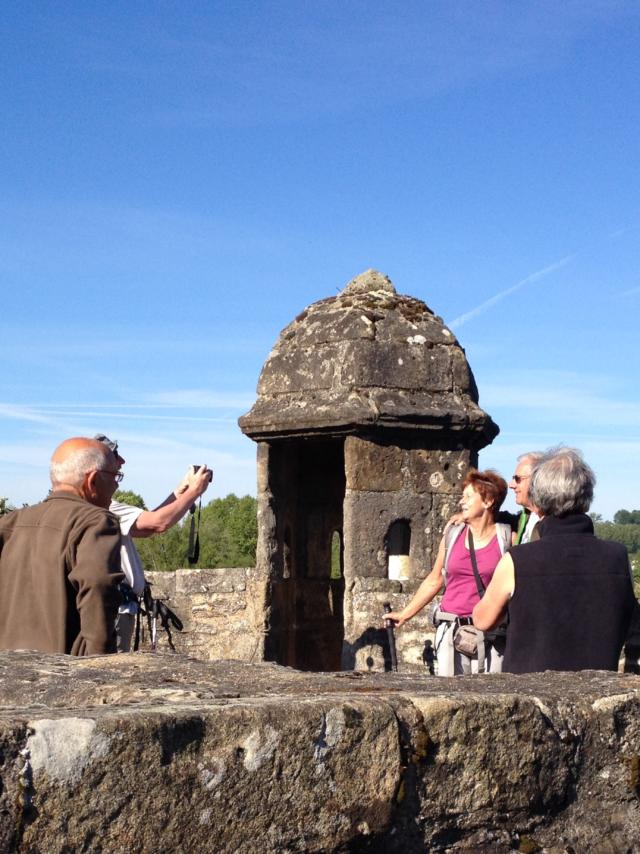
x=161 y=752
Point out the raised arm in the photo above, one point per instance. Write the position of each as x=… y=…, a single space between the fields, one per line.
x=429 y=588
x=174 y=507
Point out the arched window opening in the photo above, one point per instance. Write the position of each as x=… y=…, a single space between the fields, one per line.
x=398 y=549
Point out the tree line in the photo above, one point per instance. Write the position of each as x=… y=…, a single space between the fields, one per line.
x=624 y=529
x=229 y=533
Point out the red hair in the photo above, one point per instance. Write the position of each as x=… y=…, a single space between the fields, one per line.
x=489 y=486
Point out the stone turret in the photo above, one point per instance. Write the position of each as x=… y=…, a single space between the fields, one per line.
x=366 y=420
x=368 y=358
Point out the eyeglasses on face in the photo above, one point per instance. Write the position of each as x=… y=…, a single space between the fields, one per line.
x=518 y=478
x=117 y=475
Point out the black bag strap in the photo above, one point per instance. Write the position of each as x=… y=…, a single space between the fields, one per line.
x=474 y=563
x=193 y=552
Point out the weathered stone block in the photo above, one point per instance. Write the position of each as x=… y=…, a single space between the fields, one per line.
x=368 y=517
x=295 y=370
x=463 y=379
x=371 y=466
x=437 y=471
x=330 y=326
x=158 y=752
x=413 y=322
x=231 y=600
x=366 y=642
x=400 y=365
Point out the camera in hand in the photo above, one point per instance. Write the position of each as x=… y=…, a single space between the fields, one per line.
x=196 y=467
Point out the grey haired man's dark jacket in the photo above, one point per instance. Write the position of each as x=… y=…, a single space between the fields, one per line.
x=59 y=573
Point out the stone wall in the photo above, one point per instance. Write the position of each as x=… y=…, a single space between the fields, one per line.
x=223 y=612
x=159 y=752
x=387 y=482
x=224 y=616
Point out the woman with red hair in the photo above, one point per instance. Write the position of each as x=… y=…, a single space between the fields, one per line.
x=467 y=557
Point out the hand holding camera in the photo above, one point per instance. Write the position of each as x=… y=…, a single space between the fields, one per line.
x=197 y=477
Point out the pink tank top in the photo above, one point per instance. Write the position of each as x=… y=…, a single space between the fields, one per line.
x=461 y=593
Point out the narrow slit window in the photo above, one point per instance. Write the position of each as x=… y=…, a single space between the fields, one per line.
x=337 y=559
x=398 y=550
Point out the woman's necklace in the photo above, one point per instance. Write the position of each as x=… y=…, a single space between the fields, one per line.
x=480 y=539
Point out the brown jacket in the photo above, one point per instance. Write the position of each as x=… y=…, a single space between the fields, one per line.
x=59 y=571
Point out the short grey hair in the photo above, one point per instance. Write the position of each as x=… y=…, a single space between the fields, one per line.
x=533 y=457
x=561 y=483
x=71 y=471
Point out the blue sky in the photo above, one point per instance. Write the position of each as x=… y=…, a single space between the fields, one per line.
x=179 y=180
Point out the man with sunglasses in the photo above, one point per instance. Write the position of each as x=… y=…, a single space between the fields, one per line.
x=528 y=518
x=60 y=559
x=137 y=522
x=523 y=524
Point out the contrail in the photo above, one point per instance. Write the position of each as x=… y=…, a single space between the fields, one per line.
x=630 y=291
x=539 y=274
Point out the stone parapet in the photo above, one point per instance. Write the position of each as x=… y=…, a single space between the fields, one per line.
x=223 y=611
x=160 y=752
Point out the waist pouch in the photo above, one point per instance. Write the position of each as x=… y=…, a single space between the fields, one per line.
x=465 y=641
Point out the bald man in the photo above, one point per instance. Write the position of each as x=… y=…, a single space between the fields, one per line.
x=60 y=559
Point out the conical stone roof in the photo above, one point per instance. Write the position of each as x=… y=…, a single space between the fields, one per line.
x=368 y=359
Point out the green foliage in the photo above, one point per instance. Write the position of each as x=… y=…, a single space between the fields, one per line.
x=164 y=552
x=229 y=532
x=627 y=534
x=129 y=497
x=228 y=536
x=635 y=568
x=627 y=517
x=5 y=507
x=336 y=556
x=624 y=529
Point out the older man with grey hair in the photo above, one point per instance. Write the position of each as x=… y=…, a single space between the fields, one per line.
x=60 y=559
x=526 y=522
x=570 y=595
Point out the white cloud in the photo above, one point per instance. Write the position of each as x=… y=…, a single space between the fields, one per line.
x=21 y=412
x=200 y=399
x=532 y=277
x=155 y=463
x=558 y=398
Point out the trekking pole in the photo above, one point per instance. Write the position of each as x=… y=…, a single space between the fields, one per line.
x=154 y=625
x=391 y=638
x=167 y=619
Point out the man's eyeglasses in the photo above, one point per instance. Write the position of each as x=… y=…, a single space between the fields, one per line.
x=117 y=475
x=518 y=478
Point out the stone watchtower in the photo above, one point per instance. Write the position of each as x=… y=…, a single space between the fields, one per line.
x=366 y=420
